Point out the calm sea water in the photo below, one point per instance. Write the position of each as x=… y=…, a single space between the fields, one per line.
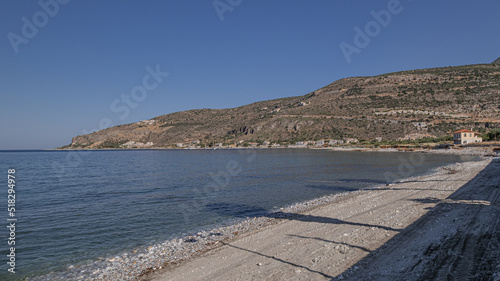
x=73 y=208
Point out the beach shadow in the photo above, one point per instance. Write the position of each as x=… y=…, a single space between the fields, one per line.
x=329 y=241
x=423 y=181
x=318 y=219
x=427 y=200
x=244 y=211
x=333 y=188
x=351 y=189
x=403 y=189
x=278 y=259
x=453 y=255
x=371 y=181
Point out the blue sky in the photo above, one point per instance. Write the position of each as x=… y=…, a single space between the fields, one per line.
x=85 y=55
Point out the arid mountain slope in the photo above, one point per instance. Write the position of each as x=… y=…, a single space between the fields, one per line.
x=391 y=106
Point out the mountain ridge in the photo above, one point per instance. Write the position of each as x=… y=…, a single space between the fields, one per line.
x=421 y=102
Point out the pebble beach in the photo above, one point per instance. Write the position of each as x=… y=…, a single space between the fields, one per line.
x=139 y=264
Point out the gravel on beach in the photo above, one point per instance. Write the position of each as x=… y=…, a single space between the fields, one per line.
x=134 y=264
x=131 y=265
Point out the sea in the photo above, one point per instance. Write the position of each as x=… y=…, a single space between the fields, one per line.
x=72 y=207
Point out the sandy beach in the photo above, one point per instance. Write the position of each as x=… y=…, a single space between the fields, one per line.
x=434 y=227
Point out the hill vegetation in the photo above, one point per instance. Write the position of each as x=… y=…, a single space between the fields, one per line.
x=401 y=105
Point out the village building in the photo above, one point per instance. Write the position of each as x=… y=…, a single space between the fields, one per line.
x=415 y=136
x=320 y=143
x=253 y=144
x=351 y=140
x=136 y=144
x=466 y=136
x=334 y=142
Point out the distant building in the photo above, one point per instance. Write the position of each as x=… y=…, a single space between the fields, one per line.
x=136 y=144
x=415 y=136
x=298 y=144
x=334 y=142
x=253 y=144
x=351 y=140
x=421 y=126
x=466 y=136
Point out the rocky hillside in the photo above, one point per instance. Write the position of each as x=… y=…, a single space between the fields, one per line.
x=423 y=102
x=497 y=61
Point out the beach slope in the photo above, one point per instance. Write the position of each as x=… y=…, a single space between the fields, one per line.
x=438 y=226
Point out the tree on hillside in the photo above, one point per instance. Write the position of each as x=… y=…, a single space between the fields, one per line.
x=492 y=135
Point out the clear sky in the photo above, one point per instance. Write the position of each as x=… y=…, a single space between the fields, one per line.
x=68 y=68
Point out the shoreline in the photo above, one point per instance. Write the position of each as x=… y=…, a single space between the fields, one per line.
x=140 y=263
x=265 y=253
x=471 y=151
x=183 y=249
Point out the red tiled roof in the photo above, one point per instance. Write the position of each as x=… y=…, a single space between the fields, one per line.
x=463 y=131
